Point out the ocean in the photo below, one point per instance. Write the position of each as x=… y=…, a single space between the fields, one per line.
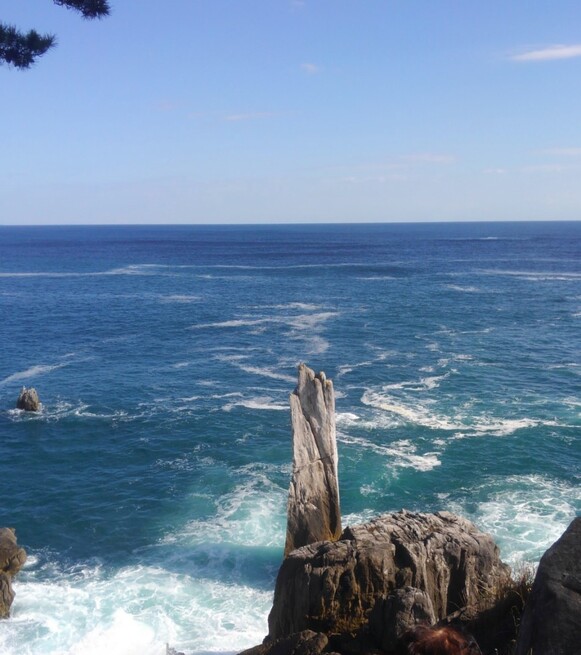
x=150 y=492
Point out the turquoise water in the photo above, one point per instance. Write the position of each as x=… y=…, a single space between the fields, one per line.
x=150 y=492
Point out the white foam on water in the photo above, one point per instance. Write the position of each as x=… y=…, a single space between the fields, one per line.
x=524 y=513
x=423 y=384
x=136 y=611
x=180 y=298
x=63 y=409
x=252 y=514
x=373 y=278
x=462 y=424
x=316 y=345
x=304 y=306
x=400 y=454
x=193 y=589
x=267 y=372
x=306 y=321
x=463 y=289
x=32 y=372
x=259 y=402
x=131 y=269
x=346 y=418
x=348 y=368
x=238 y=322
x=535 y=276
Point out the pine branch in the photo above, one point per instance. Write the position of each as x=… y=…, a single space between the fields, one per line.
x=20 y=49
x=88 y=8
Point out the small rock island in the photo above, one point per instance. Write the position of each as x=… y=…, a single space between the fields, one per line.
x=359 y=590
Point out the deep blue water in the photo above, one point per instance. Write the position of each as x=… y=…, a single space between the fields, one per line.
x=151 y=490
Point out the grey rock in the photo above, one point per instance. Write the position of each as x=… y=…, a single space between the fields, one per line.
x=393 y=616
x=28 y=400
x=313 y=512
x=551 y=622
x=332 y=587
x=12 y=557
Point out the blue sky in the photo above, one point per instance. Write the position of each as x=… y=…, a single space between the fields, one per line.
x=268 y=111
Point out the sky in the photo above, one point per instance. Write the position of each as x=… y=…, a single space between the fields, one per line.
x=284 y=111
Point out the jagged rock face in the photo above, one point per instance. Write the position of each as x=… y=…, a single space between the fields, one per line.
x=12 y=557
x=28 y=400
x=400 y=611
x=333 y=587
x=551 y=622
x=313 y=512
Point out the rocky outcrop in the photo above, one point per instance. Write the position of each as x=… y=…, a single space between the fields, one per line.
x=443 y=564
x=313 y=512
x=306 y=642
x=28 y=400
x=12 y=557
x=551 y=622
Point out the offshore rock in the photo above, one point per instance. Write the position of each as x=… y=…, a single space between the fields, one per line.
x=12 y=557
x=28 y=400
x=334 y=587
x=551 y=622
x=313 y=512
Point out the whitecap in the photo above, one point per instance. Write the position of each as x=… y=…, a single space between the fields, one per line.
x=401 y=454
x=463 y=289
x=33 y=371
x=179 y=298
x=135 y=611
x=346 y=418
x=524 y=513
x=268 y=373
x=462 y=426
x=239 y=322
x=259 y=402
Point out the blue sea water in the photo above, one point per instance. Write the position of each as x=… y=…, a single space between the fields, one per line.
x=150 y=492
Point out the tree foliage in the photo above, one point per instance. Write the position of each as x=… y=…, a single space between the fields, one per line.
x=21 y=49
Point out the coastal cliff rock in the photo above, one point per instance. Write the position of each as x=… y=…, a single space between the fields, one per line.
x=28 y=400
x=12 y=557
x=551 y=622
x=335 y=587
x=313 y=512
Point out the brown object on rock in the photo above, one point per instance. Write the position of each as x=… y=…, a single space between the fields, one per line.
x=424 y=640
x=551 y=622
x=332 y=587
x=28 y=400
x=12 y=557
x=313 y=512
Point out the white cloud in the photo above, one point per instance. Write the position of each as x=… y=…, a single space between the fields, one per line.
x=495 y=171
x=563 y=152
x=544 y=168
x=311 y=69
x=549 y=54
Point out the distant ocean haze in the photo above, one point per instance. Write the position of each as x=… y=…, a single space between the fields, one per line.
x=150 y=492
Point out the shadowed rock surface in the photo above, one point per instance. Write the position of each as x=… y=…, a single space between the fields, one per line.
x=28 y=400
x=551 y=622
x=306 y=642
x=313 y=512
x=12 y=557
x=333 y=587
